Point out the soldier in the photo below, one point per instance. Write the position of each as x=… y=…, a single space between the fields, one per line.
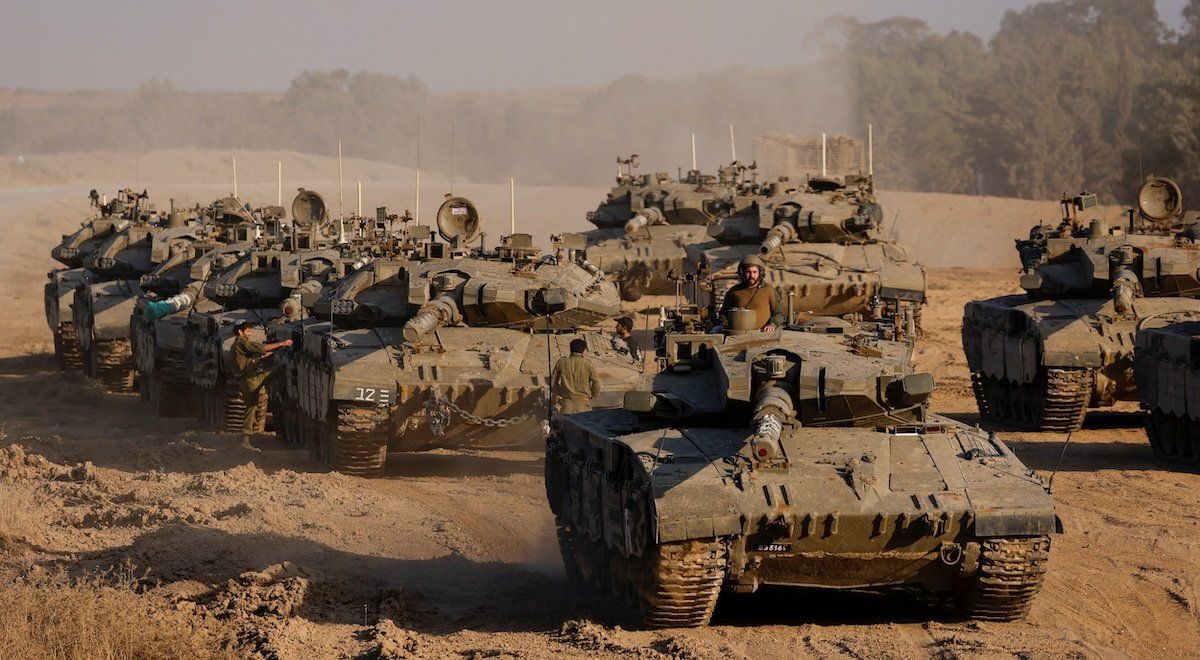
x=574 y=381
x=753 y=293
x=252 y=376
x=624 y=339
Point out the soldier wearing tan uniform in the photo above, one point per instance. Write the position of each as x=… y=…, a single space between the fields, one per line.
x=753 y=293
x=252 y=376
x=574 y=382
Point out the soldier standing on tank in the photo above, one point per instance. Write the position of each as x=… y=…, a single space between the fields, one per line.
x=252 y=375
x=574 y=382
x=753 y=293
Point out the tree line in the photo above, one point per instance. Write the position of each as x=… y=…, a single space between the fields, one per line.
x=1069 y=94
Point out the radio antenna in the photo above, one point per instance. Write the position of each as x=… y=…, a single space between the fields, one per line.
x=452 y=157
x=233 y=159
x=512 y=206
x=823 y=168
x=732 y=145
x=693 y=152
x=417 y=183
x=360 y=199
x=870 y=151
x=279 y=183
x=1050 y=483
x=341 y=207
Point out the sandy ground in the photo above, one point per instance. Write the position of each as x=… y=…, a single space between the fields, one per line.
x=452 y=553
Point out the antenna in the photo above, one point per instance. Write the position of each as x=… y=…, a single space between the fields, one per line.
x=279 y=183
x=693 y=151
x=732 y=145
x=417 y=184
x=823 y=169
x=870 y=151
x=512 y=205
x=451 y=157
x=1050 y=484
x=360 y=199
x=341 y=213
x=233 y=159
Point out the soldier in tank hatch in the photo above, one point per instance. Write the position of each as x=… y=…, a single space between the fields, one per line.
x=574 y=382
x=252 y=375
x=753 y=293
x=624 y=339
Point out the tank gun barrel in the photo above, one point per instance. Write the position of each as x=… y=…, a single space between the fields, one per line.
x=772 y=407
x=643 y=218
x=784 y=232
x=436 y=313
x=1124 y=289
x=156 y=309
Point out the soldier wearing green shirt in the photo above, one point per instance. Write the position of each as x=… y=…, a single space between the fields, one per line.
x=574 y=381
x=252 y=376
x=753 y=293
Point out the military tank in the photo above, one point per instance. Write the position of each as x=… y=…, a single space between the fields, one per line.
x=265 y=287
x=1067 y=344
x=1166 y=367
x=647 y=221
x=104 y=300
x=804 y=457
x=186 y=259
x=108 y=217
x=823 y=248
x=447 y=346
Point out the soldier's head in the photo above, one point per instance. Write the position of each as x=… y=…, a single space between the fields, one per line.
x=578 y=346
x=751 y=270
x=624 y=326
x=243 y=329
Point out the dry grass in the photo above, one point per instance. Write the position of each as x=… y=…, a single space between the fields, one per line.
x=53 y=616
x=16 y=512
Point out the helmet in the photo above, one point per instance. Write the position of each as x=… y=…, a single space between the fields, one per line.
x=751 y=260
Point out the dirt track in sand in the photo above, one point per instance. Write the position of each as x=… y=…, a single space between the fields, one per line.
x=453 y=552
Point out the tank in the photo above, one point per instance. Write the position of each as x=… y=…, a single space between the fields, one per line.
x=173 y=292
x=823 y=248
x=108 y=217
x=1045 y=357
x=267 y=286
x=1166 y=367
x=647 y=222
x=446 y=346
x=105 y=297
x=806 y=457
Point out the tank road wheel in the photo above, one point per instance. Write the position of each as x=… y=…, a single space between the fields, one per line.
x=682 y=582
x=358 y=443
x=111 y=364
x=1064 y=400
x=66 y=348
x=1011 y=571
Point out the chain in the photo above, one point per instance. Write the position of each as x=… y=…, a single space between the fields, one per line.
x=438 y=409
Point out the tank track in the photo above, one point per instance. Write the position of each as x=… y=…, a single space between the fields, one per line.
x=66 y=348
x=222 y=408
x=1011 y=572
x=112 y=365
x=1068 y=392
x=175 y=394
x=1173 y=436
x=358 y=440
x=1057 y=402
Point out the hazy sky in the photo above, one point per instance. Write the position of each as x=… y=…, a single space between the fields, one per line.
x=449 y=44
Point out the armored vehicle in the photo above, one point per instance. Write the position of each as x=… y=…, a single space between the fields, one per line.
x=186 y=260
x=647 y=222
x=1046 y=356
x=823 y=248
x=446 y=346
x=801 y=457
x=264 y=287
x=109 y=217
x=104 y=299
x=1166 y=366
